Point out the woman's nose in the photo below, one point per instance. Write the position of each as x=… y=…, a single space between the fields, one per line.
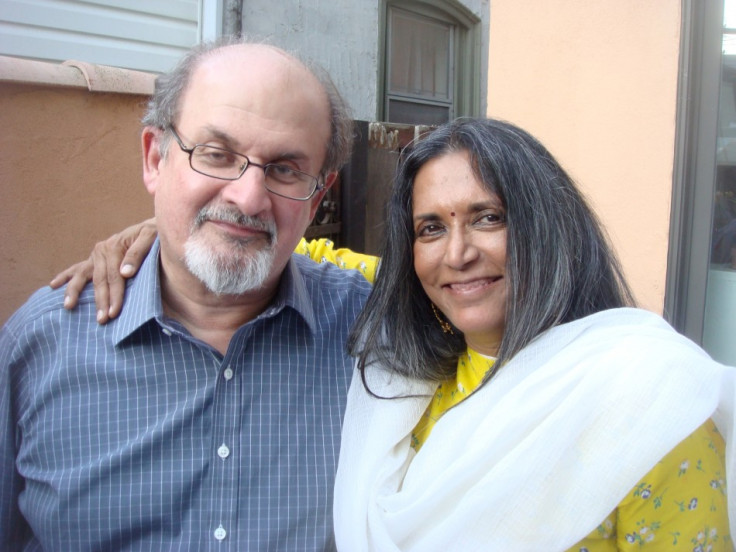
x=460 y=249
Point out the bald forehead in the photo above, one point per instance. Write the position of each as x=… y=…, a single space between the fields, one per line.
x=262 y=69
x=259 y=95
x=255 y=52
x=261 y=61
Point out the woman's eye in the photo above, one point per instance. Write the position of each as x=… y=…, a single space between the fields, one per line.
x=491 y=218
x=428 y=230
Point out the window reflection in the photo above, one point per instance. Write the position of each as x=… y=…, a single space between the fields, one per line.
x=723 y=244
x=719 y=324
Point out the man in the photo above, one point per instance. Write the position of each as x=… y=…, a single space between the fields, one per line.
x=207 y=415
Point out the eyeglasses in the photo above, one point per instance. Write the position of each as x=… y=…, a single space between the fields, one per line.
x=224 y=164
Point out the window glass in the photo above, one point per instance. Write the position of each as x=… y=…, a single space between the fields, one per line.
x=420 y=68
x=420 y=56
x=411 y=112
x=719 y=327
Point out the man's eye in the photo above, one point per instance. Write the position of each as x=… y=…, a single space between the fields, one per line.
x=280 y=170
x=214 y=156
x=285 y=174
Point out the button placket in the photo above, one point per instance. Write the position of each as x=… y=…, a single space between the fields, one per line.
x=225 y=470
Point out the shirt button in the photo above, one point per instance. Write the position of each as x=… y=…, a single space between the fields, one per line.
x=223 y=452
x=228 y=374
x=220 y=533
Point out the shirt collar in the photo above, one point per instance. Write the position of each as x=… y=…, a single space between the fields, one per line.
x=143 y=297
x=293 y=292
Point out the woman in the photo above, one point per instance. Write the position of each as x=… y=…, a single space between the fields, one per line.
x=506 y=396
x=558 y=408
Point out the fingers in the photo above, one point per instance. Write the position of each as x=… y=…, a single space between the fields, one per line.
x=76 y=277
x=100 y=283
x=116 y=259
x=108 y=284
x=139 y=248
x=112 y=261
x=110 y=290
x=65 y=275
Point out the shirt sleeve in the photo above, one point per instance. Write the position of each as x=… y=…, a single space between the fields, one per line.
x=13 y=528
x=323 y=251
x=681 y=503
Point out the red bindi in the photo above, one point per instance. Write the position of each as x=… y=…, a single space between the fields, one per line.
x=452 y=213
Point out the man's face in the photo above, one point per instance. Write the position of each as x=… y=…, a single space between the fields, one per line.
x=255 y=101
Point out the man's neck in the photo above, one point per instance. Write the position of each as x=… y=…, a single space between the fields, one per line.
x=209 y=317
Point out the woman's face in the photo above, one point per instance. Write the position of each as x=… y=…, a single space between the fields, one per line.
x=460 y=248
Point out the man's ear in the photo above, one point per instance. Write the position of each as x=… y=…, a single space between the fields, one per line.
x=152 y=159
x=317 y=199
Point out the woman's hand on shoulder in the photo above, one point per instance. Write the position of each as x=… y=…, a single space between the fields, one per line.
x=111 y=262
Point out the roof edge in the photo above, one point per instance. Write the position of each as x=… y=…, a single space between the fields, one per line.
x=77 y=74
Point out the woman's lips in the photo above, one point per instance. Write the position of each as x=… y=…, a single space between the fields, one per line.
x=472 y=285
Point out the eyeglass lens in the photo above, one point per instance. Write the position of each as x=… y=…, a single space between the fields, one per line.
x=280 y=179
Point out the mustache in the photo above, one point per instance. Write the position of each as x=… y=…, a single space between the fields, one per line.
x=231 y=215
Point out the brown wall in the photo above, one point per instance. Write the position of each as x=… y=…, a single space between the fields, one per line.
x=596 y=82
x=70 y=173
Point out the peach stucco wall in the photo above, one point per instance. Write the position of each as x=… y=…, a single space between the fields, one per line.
x=70 y=174
x=596 y=82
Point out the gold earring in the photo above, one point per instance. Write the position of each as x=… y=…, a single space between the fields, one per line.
x=444 y=324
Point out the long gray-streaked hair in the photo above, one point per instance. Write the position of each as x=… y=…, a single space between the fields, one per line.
x=559 y=265
x=163 y=106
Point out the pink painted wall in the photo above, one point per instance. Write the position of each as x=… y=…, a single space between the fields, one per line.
x=70 y=174
x=596 y=82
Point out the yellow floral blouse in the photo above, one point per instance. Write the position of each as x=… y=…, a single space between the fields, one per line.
x=679 y=505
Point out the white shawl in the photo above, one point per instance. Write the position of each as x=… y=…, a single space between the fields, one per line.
x=538 y=457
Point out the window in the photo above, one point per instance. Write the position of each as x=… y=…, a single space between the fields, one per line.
x=701 y=281
x=431 y=66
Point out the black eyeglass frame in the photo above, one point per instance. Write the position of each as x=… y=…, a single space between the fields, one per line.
x=318 y=184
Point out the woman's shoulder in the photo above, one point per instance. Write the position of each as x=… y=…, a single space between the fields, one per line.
x=323 y=250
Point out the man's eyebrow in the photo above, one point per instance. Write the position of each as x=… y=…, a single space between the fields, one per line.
x=232 y=143
x=221 y=135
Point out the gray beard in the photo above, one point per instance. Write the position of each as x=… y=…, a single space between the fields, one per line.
x=237 y=270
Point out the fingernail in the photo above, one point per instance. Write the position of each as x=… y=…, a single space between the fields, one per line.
x=100 y=315
x=67 y=301
x=127 y=270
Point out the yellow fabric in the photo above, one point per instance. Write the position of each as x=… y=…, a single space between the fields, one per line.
x=322 y=251
x=679 y=505
x=470 y=371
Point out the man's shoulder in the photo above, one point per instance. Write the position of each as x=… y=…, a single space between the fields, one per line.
x=329 y=278
x=48 y=304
